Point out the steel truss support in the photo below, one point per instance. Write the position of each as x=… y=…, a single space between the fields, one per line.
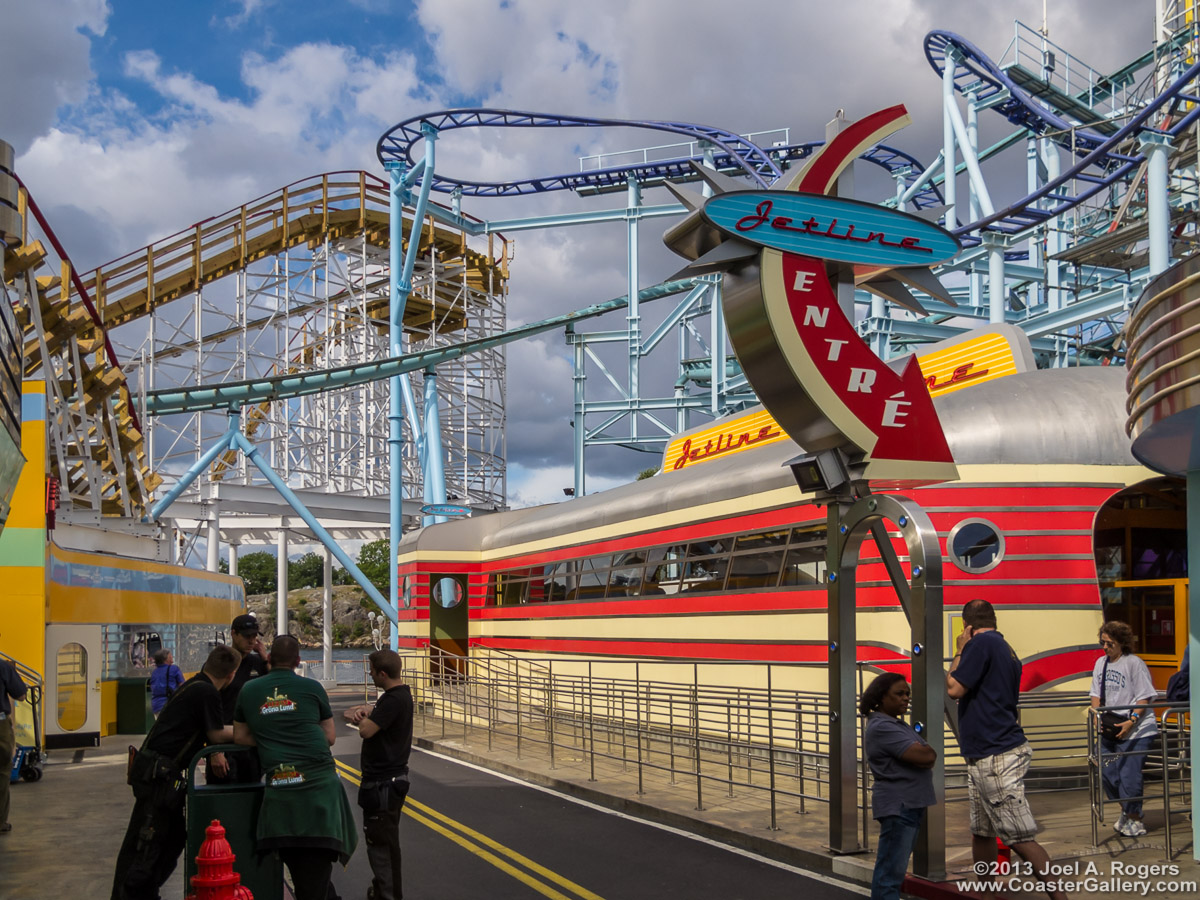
x=920 y=592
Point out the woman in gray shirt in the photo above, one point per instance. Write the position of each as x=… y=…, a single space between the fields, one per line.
x=900 y=762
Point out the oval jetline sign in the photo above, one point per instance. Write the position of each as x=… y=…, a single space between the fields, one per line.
x=831 y=228
x=444 y=509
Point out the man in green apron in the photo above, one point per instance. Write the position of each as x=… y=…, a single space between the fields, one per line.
x=305 y=816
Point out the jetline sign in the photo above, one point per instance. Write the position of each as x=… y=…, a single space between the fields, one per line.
x=813 y=372
x=994 y=351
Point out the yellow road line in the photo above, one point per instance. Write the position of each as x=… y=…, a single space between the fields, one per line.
x=424 y=814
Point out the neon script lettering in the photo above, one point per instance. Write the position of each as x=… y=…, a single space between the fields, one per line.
x=689 y=454
x=812 y=226
x=959 y=375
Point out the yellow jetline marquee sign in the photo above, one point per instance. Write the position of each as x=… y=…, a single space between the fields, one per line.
x=952 y=366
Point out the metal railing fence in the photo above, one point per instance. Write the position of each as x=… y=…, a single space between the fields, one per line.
x=730 y=729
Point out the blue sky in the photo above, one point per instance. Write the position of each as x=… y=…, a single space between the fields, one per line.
x=132 y=120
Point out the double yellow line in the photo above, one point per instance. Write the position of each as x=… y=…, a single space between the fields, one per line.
x=534 y=875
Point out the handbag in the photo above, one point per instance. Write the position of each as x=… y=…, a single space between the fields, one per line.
x=1110 y=722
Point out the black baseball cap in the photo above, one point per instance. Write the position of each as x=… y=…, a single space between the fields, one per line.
x=245 y=623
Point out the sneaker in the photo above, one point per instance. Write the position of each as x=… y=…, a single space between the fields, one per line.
x=1135 y=828
x=1119 y=825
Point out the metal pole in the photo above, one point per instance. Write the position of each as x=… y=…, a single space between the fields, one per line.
x=281 y=578
x=771 y=748
x=591 y=723
x=843 y=750
x=1193 y=530
x=1157 y=149
x=637 y=684
x=327 y=617
x=696 y=734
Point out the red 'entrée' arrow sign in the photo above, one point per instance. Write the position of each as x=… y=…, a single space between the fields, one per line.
x=811 y=369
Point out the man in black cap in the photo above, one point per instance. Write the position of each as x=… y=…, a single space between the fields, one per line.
x=242 y=767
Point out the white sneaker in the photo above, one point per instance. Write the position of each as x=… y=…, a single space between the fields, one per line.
x=1119 y=825
x=1134 y=828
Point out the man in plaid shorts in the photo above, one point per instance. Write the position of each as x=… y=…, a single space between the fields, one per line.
x=985 y=679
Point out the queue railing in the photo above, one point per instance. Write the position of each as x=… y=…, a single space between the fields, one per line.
x=1167 y=759
x=754 y=731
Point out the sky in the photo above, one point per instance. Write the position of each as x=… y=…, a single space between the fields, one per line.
x=132 y=120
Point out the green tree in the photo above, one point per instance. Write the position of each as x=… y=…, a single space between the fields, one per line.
x=646 y=473
x=258 y=571
x=306 y=572
x=223 y=566
x=375 y=564
x=341 y=576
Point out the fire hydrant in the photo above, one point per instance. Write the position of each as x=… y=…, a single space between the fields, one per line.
x=1003 y=856
x=215 y=878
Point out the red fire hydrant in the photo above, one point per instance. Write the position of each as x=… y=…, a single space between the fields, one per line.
x=1003 y=856
x=215 y=878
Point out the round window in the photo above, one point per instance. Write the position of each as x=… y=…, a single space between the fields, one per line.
x=448 y=593
x=406 y=591
x=975 y=546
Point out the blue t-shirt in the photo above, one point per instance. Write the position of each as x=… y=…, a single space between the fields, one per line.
x=987 y=715
x=898 y=786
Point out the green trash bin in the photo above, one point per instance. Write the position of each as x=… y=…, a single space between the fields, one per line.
x=235 y=806
x=133 y=705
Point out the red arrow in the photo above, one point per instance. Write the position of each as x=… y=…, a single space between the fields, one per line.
x=896 y=409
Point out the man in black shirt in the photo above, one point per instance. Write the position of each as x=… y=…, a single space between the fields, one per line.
x=387 y=731
x=157 y=830
x=242 y=767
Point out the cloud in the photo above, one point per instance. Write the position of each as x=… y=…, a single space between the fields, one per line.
x=44 y=62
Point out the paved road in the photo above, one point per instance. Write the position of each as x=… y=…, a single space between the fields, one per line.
x=471 y=835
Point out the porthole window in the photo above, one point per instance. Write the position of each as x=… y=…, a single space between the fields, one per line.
x=975 y=546
x=406 y=591
x=447 y=593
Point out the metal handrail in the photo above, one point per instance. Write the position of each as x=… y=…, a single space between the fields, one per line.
x=733 y=727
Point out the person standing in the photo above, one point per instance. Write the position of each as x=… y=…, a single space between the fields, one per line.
x=305 y=815
x=157 y=831
x=985 y=679
x=1120 y=679
x=165 y=678
x=386 y=730
x=11 y=688
x=900 y=762
x=242 y=767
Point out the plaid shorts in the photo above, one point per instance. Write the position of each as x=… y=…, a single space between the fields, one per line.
x=996 y=789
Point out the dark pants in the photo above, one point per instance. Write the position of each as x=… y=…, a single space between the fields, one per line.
x=897 y=837
x=153 y=841
x=8 y=744
x=311 y=870
x=382 y=803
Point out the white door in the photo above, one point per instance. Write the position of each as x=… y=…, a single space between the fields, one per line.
x=72 y=699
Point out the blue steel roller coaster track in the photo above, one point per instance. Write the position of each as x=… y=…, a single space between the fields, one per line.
x=1103 y=161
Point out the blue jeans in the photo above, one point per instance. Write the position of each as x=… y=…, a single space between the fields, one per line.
x=897 y=837
x=1122 y=775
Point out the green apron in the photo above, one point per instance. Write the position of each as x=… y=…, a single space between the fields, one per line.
x=306 y=805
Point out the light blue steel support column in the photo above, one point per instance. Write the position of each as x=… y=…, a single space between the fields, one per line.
x=435 y=473
x=1193 y=530
x=326 y=539
x=976 y=278
x=996 y=294
x=1157 y=147
x=225 y=442
x=948 y=154
x=717 y=351
x=634 y=318
x=579 y=377
x=400 y=286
